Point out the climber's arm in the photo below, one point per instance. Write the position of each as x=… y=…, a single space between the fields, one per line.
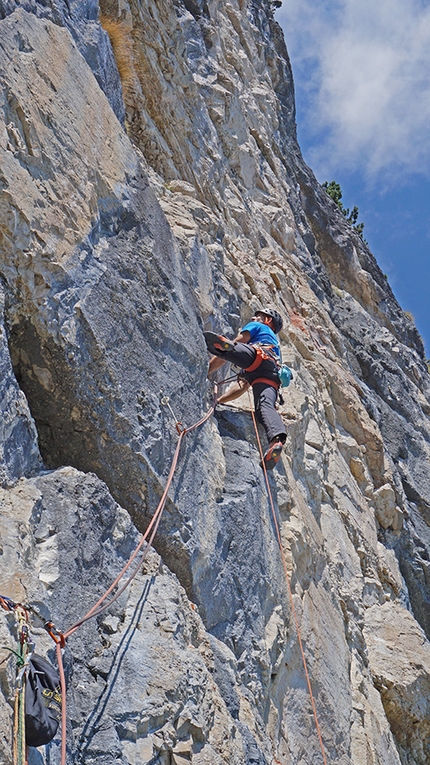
x=243 y=337
x=234 y=392
x=215 y=363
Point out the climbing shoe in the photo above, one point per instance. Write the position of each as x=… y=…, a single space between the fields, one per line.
x=272 y=455
x=217 y=343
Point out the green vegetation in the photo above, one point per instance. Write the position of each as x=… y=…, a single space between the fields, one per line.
x=335 y=192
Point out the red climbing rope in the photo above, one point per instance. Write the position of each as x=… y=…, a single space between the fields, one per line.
x=101 y=605
x=287 y=578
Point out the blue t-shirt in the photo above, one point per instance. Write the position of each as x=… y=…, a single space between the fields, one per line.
x=261 y=333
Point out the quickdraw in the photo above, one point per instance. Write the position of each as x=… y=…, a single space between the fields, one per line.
x=55 y=634
x=165 y=401
x=24 y=653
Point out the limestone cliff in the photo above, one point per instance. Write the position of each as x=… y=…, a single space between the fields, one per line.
x=152 y=187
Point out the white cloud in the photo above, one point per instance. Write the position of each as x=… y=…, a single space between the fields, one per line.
x=364 y=66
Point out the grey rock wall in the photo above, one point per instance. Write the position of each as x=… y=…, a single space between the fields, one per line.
x=18 y=443
x=140 y=676
x=125 y=231
x=81 y=19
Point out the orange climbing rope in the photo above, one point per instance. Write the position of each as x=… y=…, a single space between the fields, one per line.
x=102 y=604
x=290 y=594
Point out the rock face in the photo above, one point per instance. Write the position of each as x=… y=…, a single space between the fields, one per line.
x=19 y=454
x=152 y=187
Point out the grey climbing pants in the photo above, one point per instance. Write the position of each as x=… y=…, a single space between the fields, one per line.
x=265 y=395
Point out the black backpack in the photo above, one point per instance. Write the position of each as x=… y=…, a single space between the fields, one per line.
x=42 y=701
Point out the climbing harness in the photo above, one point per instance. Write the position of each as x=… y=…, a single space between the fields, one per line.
x=284 y=374
x=266 y=381
x=262 y=352
x=290 y=593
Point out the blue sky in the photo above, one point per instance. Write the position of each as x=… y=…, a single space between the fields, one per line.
x=362 y=79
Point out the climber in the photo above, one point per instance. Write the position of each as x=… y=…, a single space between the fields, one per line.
x=256 y=350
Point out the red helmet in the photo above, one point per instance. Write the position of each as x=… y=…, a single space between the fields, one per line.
x=277 y=319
